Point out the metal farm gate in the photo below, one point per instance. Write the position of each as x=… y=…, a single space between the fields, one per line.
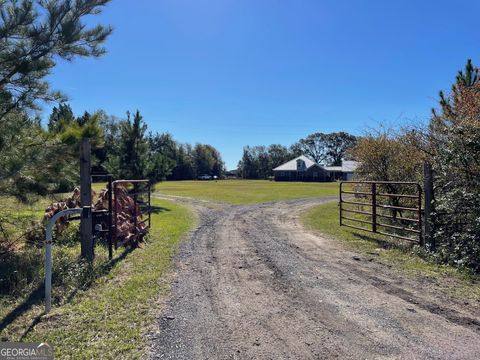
x=383 y=207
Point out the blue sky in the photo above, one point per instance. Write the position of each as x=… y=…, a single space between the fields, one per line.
x=248 y=72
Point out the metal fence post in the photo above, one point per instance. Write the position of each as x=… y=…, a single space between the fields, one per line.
x=110 y=222
x=340 y=203
x=420 y=226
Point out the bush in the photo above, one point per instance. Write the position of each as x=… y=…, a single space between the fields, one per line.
x=455 y=145
x=20 y=271
x=69 y=237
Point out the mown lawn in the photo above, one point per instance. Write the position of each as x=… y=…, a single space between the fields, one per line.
x=108 y=319
x=246 y=191
x=324 y=219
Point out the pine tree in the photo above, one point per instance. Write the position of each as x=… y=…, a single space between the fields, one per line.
x=131 y=161
x=60 y=118
x=34 y=34
x=454 y=144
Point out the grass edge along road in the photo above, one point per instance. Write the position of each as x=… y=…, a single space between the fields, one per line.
x=324 y=219
x=109 y=319
x=246 y=191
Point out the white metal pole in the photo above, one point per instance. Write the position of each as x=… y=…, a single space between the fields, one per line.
x=48 y=254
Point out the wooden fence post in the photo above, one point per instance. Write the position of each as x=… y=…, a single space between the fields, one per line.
x=86 y=235
x=429 y=196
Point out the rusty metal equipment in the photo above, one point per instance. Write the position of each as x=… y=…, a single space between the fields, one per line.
x=120 y=214
x=106 y=221
x=372 y=206
x=102 y=220
x=140 y=212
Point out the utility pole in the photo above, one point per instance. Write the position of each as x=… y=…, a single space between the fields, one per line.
x=86 y=235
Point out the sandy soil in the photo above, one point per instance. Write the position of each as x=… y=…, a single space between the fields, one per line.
x=252 y=283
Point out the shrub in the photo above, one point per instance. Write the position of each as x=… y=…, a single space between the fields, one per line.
x=455 y=141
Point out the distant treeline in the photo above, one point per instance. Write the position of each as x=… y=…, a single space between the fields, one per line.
x=326 y=149
x=126 y=149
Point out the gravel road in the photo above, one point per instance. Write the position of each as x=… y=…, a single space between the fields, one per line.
x=251 y=283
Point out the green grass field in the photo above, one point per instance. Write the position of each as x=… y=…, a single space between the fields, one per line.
x=108 y=319
x=246 y=191
x=324 y=219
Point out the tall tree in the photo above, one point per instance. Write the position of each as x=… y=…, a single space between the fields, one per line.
x=208 y=160
x=60 y=118
x=315 y=147
x=338 y=145
x=277 y=155
x=185 y=165
x=295 y=150
x=163 y=154
x=131 y=160
x=163 y=144
x=85 y=118
x=110 y=126
x=256 y=162
x=34 y=35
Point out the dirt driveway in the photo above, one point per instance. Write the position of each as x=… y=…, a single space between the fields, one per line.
x=251 y=283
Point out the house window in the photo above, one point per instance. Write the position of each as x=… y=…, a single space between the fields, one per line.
x=282 y=174
x=315 y=174
x=300 y=165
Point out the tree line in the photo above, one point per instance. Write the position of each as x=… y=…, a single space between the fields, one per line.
x=37 y=160
x=127 y=150
x=330 y=149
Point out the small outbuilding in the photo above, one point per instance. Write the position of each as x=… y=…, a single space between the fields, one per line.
x=301 y=169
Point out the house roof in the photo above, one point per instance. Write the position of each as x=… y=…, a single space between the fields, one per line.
x=349 y=166
x=333 y=168
x=292 y=164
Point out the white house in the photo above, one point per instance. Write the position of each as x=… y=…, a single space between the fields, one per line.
x=303 y=168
